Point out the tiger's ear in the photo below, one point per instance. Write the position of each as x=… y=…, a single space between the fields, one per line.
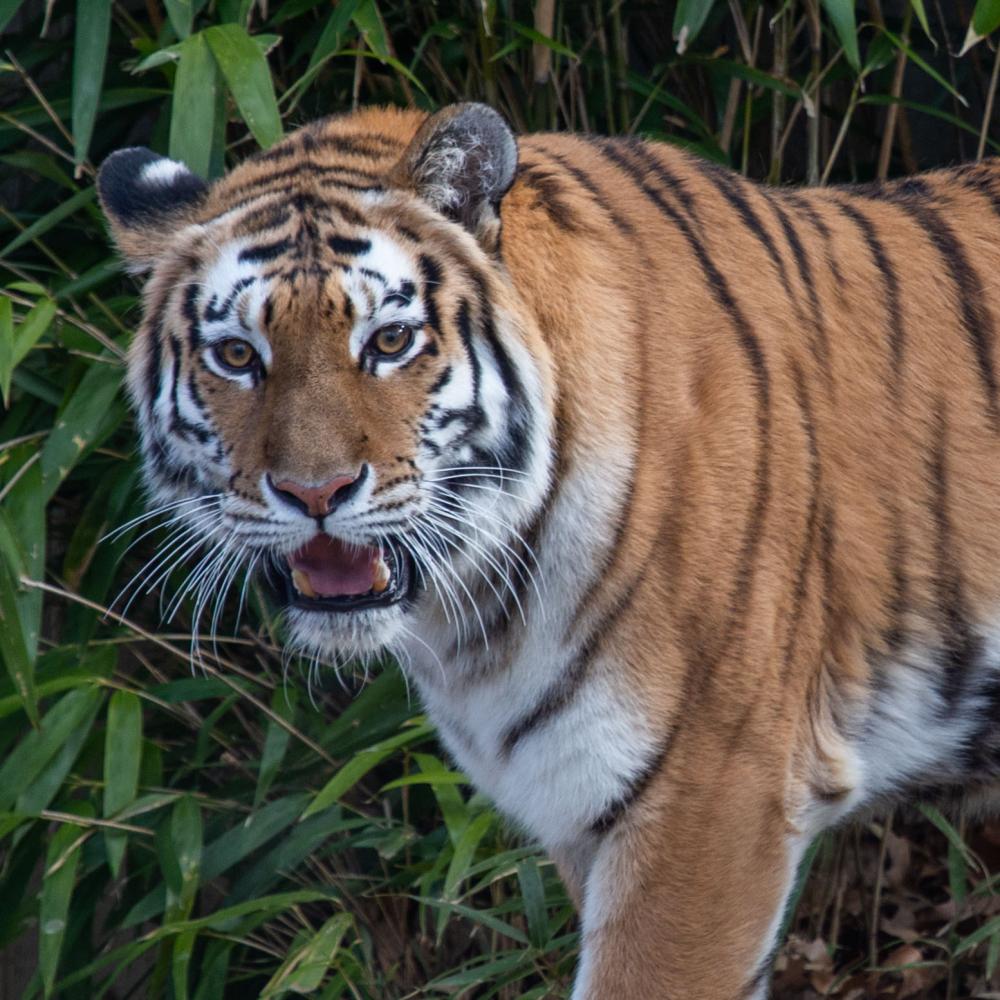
x=147 y=198
x=462 y=161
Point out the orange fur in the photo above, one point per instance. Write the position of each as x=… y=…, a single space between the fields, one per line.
x=799 y=388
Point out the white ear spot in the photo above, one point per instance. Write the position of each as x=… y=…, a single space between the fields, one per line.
x=162 y=171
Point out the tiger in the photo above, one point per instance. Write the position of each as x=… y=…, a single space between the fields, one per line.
x=676 y=496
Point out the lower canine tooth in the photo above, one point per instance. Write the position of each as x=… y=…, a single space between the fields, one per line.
x=302 y=584
x=382 y=576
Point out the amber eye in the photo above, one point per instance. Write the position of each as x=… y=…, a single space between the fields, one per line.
x=392 y=339
x=235 y=354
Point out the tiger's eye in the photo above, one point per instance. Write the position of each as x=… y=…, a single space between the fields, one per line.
x=235 y=354
x=392 y=339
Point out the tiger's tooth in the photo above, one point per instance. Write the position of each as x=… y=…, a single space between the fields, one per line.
x=302 y=584
x=382 y=576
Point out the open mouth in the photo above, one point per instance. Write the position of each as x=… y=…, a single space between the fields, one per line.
x=328 y=574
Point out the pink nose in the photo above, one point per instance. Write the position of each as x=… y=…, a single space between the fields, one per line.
x=317 y=501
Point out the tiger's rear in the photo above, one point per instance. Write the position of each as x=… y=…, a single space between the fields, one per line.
x=679 y=497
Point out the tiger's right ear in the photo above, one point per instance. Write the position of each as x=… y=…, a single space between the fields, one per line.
x=147 y=198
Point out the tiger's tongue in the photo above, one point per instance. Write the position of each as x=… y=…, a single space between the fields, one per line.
x=334 y=568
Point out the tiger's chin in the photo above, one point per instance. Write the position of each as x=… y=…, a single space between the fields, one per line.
x=337 y=625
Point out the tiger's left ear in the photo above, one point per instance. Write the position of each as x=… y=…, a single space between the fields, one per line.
x=147 y=198
x=462 y=162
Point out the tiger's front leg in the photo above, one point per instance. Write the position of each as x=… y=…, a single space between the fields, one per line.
x=685 y=897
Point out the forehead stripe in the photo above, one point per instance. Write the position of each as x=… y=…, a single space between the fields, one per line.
x=264 y=252
x=352 y=248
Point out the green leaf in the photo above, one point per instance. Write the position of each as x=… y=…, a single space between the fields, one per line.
x=689 y=19
x=465 y=850
x=51 y=219
x=29 y=758
x=920 y=11
x=90 y=50
x=275 y=743
x=8 y=8
x=16 y=658
x=6 y=347
x=985 y=20
x=89 y=415
x=195 y=108
x=550 y=43
x=369 y=23
x=181 y=14
x=354 y=770
x=181 y=961
x=304 y=969
x=57 y=888
x=841 y=14
x=986 y=16
x=180 y=856
x=924 y=65
x=122 y=757
x=483 y=917
x=533 y=894
x=249 y=80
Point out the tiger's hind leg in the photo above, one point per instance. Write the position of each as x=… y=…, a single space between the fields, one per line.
x=685 y=898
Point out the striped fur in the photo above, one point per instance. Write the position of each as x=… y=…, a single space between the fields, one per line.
x=739 y=576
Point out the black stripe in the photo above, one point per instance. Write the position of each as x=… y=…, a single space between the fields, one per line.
x=805 y=207
x=587 y=182
x=348 y=247
x=430 y=274
x=178 y=424
x=617 y=809
x=808 y=545
x=728 y=185
x=561 y=693
x=549 y=195
x=899 y=599
x=463 y=322
x=821 y=343
x=751 y=348
x=264 y=252
x=214 y=313
x=976 y=317
x=982 y=179
x=897 y=336
x=961 y=647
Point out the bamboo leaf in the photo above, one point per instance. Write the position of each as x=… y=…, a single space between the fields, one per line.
x=90 y=414
x=248 y=78
x=27 y=761
x=921 y=12
x=924 y=65
x=985 y=20
x=465 y=850
x=122 y=757
x=6 y=347
x=14 y=650
x=50 y=220
x=689 y=19
x=181 y=14
x=304 y=969
x=8 y=8
x=356 y=768
x=275 y=743
x=841 y=14
x=195 y=110
x=90 y=50
x=53 y=910
x=533 y=893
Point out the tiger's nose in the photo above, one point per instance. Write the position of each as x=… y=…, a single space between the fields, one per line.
x=318 y=501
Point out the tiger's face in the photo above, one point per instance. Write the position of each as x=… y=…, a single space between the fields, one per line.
x=335 y=384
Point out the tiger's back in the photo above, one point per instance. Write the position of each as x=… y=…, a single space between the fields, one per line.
x=750 y=583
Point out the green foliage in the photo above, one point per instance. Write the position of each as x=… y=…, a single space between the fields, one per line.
x=214 y=832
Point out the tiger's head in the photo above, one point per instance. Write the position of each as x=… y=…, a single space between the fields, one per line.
x=336 y=384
